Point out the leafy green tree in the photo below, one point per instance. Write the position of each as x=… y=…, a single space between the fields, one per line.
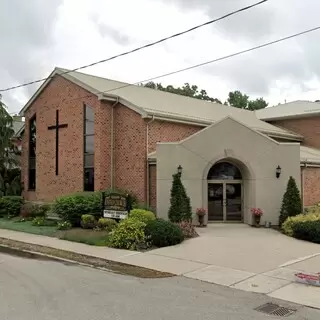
x=180 y=208
x=9 y=182
x=239 y=100
x=291 y=202
x=186 y=90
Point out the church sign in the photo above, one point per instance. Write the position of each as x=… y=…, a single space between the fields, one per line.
x=115 y=206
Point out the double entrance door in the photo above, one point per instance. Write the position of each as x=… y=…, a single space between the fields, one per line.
x=225 y=200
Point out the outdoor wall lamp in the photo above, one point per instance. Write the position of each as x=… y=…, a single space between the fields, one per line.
x=179 y=169
x=278 y=171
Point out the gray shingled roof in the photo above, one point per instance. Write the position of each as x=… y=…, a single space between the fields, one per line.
x=149 y=102
x=292 y=109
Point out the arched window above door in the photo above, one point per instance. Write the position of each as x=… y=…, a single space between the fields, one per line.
x=224 y=171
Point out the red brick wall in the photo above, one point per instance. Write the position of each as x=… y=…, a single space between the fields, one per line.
x=163 y=131
x=130 y=140
x=307 y=127
x=130 y=151
x=311 y=188
x=68 y=98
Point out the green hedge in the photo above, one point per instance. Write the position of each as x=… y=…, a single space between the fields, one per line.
x=72 y=207
x=129 y=234
x=164 y=233
x=10 y=206
x=307 y=230
x=142 y=215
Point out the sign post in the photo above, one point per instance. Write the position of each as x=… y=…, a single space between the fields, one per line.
x=116 y=206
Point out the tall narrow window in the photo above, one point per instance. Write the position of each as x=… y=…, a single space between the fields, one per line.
x=32 y=154
x=88 y=148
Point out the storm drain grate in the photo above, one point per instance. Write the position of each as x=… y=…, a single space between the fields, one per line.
x=275 y=310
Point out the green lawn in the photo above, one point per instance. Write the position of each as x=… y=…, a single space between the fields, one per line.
x=91 y=237
x=26 y=226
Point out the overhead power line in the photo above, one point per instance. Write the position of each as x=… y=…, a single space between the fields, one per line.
x=142 y=47
x=207 y=62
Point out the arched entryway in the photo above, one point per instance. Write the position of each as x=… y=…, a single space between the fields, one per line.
x=225 y=192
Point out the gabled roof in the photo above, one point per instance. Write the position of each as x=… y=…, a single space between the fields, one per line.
x=309 y=155
x=294 y=109
x=167 y=106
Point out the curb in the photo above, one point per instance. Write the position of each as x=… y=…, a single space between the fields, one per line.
x=59 y=255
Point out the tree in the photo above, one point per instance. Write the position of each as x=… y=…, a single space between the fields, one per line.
x=9 y=178
x=186 y=90
x=239 y=100
x=291 y=202
x=180 y=209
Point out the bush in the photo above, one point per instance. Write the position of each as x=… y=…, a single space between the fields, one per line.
x=10 y=206
x=129 y=235
x=291 y=202
x=287 y=226
x=180 y=208
x=38 y=221
x=142 y=215
x=188 y=229
x=71 y=208
x=307 y=230
x=88 y=221
x=107 y=224
x=64 y=225
x=164 y=233
x=39 y=210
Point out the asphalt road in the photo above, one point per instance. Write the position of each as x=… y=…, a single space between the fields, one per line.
x=48 y=290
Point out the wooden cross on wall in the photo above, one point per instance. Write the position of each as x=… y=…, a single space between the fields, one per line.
x=56 y=127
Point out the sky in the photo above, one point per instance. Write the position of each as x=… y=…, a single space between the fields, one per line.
x=38 y=35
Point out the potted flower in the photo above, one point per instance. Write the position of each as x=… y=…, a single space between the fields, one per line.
x=201 y=212
x=257 y=213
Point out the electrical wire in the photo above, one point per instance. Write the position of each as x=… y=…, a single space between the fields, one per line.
x=142 y=47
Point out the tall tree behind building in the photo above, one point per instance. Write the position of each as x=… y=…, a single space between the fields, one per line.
x=9 y=163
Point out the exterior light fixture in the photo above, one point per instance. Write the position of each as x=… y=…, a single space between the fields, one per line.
x=179 y=170
x=278 y=171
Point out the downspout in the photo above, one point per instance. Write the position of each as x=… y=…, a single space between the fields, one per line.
x=147 y=163
x=112 y=153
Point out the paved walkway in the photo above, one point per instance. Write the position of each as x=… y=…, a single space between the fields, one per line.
x=237 y=256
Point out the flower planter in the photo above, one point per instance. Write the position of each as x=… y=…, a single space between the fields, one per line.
x=257 y=220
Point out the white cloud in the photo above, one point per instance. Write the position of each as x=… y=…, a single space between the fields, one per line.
x=72 y=33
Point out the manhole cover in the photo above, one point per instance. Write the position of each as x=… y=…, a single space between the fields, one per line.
x=275 y=310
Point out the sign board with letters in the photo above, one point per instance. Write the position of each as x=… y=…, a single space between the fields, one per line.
x=115 y=206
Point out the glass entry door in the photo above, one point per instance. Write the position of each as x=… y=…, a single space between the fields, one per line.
x=225 y=201
x=233 y=201
x=215 y=201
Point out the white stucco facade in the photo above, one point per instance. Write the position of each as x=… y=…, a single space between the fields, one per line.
x=256 y=155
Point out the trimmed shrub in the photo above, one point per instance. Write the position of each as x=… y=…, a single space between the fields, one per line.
x=64 y=225
x=129 y=235
x=287 y=226
x=88 y=221
x=180 y=208
x=107 y=224
x=291 y=202
x=142 y=215
x=164 y=233
x=10 y=206
x=71 y=208
x=188 y=229
x=307 y=230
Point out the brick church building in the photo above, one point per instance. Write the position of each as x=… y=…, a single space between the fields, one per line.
x=86 y=133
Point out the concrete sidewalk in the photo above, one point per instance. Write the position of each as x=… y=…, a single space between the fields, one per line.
x=237 y=256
